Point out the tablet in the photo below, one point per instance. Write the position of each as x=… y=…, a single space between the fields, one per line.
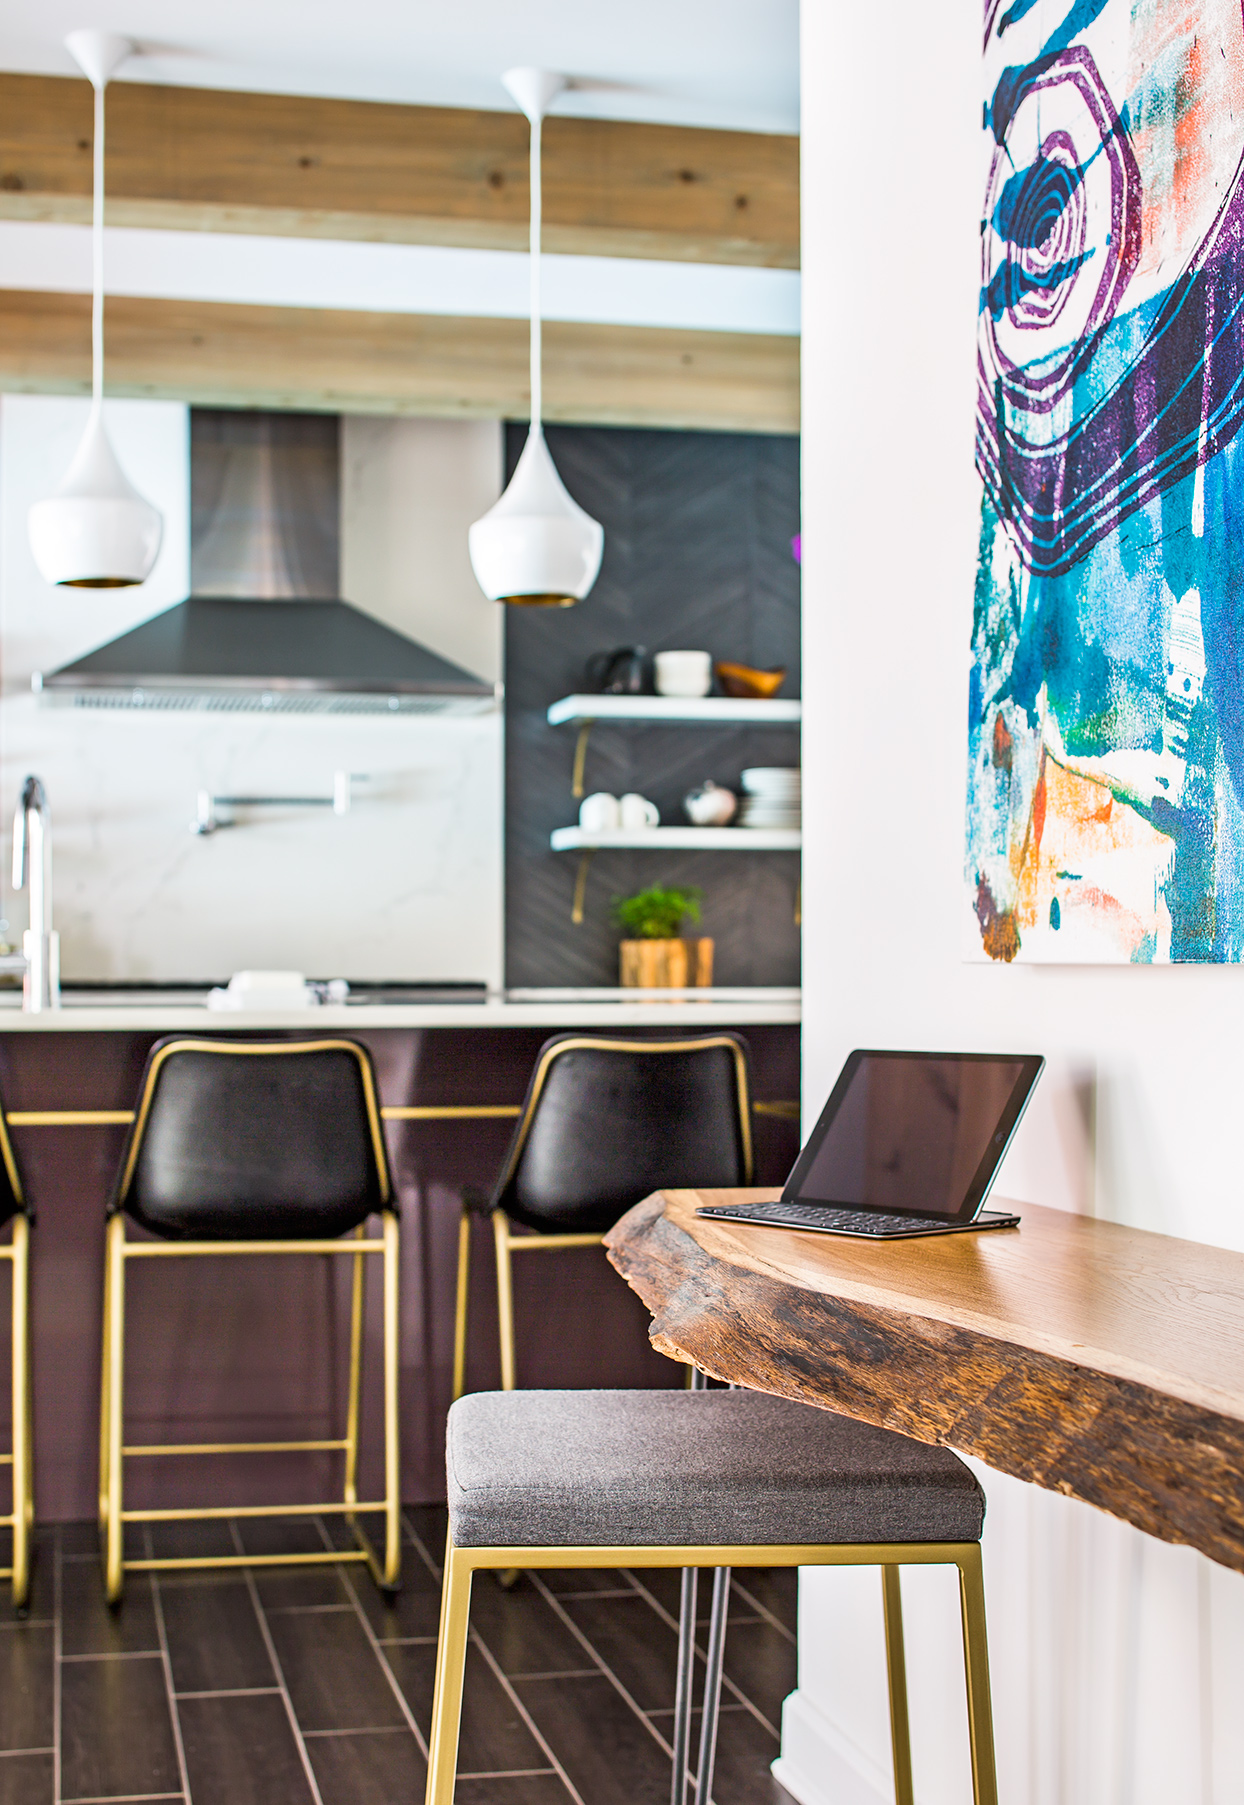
x=914 y=1134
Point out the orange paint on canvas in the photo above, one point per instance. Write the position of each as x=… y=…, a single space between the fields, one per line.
x=1185 y=158
x=1084 y=828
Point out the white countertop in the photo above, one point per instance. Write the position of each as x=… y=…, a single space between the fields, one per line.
x=147 y=1012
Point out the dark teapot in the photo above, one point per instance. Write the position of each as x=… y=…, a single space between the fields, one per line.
x=620 y=671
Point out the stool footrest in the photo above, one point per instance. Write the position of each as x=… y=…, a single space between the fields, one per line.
x=377 y=1505
x=173 y=1250
x=234 y=1447
x=550 y=1243
x=176 y=1563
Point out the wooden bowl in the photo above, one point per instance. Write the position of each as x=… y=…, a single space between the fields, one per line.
x=744 y=682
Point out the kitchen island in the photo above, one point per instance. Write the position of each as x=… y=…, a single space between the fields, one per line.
x=255 y=1349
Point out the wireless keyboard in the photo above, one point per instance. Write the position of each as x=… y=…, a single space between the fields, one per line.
x=837 y=1219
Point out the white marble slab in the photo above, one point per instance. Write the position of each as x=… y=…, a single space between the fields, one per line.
x=407 y=885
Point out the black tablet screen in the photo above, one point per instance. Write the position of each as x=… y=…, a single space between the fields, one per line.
x=910 y=1132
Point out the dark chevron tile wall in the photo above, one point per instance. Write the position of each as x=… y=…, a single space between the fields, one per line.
x=697 y=553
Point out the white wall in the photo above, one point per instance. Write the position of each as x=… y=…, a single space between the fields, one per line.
x=1117 y=1661
x=409 y=885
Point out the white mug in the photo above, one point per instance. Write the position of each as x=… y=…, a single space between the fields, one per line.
x=599 y=813
x=684 y=673
x=637 y=813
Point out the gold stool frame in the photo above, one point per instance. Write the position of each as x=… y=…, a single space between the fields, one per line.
x=21 y=1518
x=506 y=1243
x=113 y=1451
x=462 y=1563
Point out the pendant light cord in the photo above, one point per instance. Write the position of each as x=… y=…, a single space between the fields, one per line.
x=97 y=258
x=537 y=346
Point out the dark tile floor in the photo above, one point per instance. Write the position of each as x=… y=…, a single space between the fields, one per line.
x=301 y=1686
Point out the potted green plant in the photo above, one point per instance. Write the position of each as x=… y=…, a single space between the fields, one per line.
x=653 y=953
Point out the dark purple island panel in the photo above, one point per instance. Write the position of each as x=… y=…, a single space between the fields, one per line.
x=256 y=1349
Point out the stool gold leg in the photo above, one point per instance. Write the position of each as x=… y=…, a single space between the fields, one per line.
x=460 y=1307
x=392 y=1443
x=450 y=1667
x=114 y=1360
x=356 y=1363
x=505 y=1298
x=976 y=1670
x=896 y=1668
x=23 y=1499
x=103 y=1415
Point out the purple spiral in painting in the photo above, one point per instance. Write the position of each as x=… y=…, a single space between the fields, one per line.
x=1047 y=233
x=1079 y=426
x=1061 y=232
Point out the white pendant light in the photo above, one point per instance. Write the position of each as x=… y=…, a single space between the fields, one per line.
x=97 y=531
x=536 y=546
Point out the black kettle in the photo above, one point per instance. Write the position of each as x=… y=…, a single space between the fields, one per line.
x=618 y=672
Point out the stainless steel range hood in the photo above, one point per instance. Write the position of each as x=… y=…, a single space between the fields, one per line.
x=264 y=629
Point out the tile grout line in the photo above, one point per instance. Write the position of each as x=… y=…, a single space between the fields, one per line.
x=234 y=1692
x=121 y=1798
x=8 y=1754
x=115 y=1654
x=421 y=1548
x=537 y=1734
x=566 y=1673
x=166 y=1664
x=668 y=1710
x=580 y=1636
x=360 y=1730
x=305 y=1610
x=347 y=1580
x=508 y=1773
x=764 y=1611
x=501 y=1678
x=726 y=1681
x=58 y=1640
x=603 y=1592
x=278 y=1670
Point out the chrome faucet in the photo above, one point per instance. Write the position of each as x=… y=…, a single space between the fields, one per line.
x=32 y=860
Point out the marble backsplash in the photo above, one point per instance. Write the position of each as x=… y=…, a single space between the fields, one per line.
x=407 y=885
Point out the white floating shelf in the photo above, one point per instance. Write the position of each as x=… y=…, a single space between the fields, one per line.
x=707 y=710
x=679 y=839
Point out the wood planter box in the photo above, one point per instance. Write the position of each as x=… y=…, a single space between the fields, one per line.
x=666 y=964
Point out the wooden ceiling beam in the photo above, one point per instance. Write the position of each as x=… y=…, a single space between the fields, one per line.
x=203 y=159
x=327 y=360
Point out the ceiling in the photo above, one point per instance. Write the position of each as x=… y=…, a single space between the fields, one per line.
x=729 y=63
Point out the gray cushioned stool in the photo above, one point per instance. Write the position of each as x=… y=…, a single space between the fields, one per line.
x=702 y=1478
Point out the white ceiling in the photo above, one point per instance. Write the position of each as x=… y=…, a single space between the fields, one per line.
x=692 y=62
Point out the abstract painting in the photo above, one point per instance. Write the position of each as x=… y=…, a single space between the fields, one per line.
x=1105 y=816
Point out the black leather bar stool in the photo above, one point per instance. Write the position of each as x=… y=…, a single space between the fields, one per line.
x=253 y=1148
x=712 y=1478
x=604 y=1124
x=15 y=1216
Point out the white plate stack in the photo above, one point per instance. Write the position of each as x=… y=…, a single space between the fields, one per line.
x=772 y=796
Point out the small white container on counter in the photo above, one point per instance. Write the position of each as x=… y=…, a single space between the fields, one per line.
x=264 y=990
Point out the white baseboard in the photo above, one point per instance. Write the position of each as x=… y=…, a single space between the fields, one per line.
x=821 y=1766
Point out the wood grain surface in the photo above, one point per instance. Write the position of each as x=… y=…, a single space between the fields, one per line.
x=218 y=354
x=209 y=159
x=1091 y=1359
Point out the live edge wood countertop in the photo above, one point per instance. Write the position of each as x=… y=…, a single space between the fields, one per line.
x=1091 y=1359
